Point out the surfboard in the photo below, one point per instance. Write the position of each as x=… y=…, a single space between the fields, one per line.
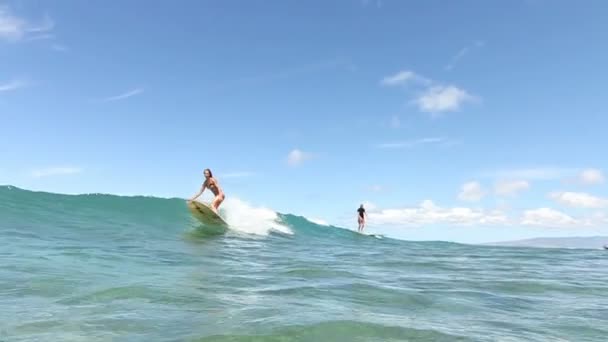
x=203 y=213
x=377 y=236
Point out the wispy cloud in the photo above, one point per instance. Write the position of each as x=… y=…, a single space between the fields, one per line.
x=42 y=36
x=13 y=85
x=461 y=53
x=55 y=171
x=471 y=191
x=404 y=77
x=536 y=173
x=413 y=143
x=579 y=200
x=376 y=188
x=14 y=28
x=46 y=25
x=457 y=57
x=510 y=187
x=591 y=177
x=297 y=157
x=124 y=96
x=59 y=47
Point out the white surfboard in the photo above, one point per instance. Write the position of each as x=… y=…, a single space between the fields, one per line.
x=377 y=236
x=203 y=213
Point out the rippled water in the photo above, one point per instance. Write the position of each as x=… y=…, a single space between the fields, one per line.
x=106 y=268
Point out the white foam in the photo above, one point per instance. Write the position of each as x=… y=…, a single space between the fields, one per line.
x=243 y=217
x=318 y=221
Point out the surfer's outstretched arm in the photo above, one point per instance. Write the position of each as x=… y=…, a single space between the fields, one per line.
x=199 y=193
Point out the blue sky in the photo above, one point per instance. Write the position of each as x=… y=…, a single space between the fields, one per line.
x=470 y=120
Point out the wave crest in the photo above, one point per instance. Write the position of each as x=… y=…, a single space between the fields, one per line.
x=245 y=218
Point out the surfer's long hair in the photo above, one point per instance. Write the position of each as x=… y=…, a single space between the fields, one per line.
x=210 y=173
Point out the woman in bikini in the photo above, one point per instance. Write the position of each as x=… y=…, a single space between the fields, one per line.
x=212 y=184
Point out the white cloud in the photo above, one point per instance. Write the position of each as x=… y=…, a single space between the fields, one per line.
x=599 y=218
x=297 y=157
x=591 y=176
x=494 y=217
x=13 y=85
x=547 y=217
x=124 y=96
x=579 y=200
x=437 y=99
x=510 y=187
x=56 y=171
x=412 y=143
x=471 y=191
x=429 y=213
x=14 y=28
x=402 y=78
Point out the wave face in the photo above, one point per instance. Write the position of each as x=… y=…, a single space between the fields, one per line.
x=102 y=267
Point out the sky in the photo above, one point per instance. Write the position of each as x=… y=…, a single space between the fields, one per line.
x=467 y=121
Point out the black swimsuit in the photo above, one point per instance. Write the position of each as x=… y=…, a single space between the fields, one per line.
x=361 y=211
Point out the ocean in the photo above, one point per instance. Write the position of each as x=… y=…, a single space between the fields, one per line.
x=110 y=268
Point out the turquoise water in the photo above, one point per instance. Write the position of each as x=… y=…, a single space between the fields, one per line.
x=109 y=268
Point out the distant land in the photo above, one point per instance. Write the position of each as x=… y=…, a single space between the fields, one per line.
x=592 y=242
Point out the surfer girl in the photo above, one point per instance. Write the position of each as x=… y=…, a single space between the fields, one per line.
x=361 y=218
x=212 y=184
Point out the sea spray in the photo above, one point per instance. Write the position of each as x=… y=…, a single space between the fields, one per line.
x=245 y=218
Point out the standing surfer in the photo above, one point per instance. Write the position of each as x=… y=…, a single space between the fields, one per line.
x=212 y=184
x=361 y=218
